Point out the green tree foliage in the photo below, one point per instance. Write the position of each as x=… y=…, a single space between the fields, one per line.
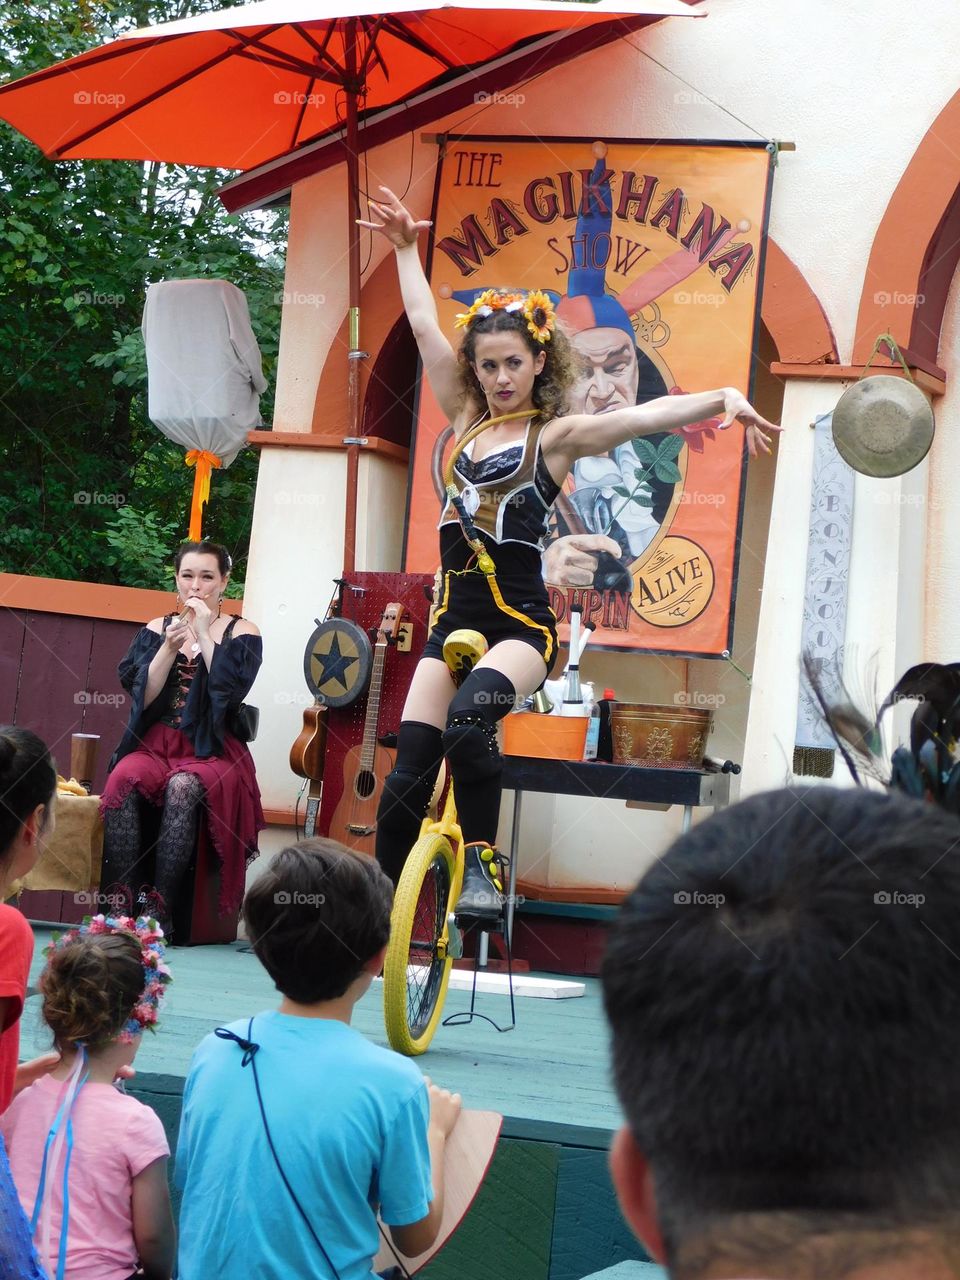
x=88 y=486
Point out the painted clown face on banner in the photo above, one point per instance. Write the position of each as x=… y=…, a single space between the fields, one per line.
x=615 y=497
x=609 y=373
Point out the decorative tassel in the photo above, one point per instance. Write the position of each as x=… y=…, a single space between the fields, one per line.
x=204 y=463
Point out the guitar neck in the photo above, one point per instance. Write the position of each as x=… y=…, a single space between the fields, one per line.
x=372 y=718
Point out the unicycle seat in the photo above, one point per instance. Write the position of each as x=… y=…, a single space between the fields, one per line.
x=462 y=650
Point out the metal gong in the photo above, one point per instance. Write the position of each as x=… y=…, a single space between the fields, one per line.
x=337 y=662
x=883 y=426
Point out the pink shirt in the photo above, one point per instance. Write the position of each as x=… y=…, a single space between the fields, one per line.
x=115 y=1137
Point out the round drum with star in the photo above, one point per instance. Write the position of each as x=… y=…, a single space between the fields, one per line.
x=337 y=662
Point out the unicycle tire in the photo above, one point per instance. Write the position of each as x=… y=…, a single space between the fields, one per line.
x=415 y=973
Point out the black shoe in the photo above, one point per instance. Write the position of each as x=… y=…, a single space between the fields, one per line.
x=481 y=894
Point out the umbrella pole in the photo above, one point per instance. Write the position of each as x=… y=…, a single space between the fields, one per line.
x=354 y=355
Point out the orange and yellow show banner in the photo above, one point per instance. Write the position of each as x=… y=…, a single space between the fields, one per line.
x=654 y=253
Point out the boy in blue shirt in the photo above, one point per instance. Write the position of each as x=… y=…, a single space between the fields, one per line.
x=295 y=1129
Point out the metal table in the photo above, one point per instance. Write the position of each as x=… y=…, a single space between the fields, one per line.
x=691 y=788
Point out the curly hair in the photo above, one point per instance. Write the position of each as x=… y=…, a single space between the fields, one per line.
x=551 y=385
x=90 y=987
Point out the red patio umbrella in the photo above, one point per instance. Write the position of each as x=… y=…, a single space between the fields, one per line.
x=240 y=86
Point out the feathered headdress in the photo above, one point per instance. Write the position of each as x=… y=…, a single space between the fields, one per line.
x=929 y=768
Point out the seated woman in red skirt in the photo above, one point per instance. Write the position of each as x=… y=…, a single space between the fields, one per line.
x=184 y=678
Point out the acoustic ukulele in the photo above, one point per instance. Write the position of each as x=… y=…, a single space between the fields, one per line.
x=354 y=822
x=306 y=760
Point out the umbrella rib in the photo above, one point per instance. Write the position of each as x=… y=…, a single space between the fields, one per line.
x=316 y=45
x=371 y=31
x=402 y=32
x=78 y=139
x=116 y=49
x=302 y=112
x=291 y=63
x=310 y=73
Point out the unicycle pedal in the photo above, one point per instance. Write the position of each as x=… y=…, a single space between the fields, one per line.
x=462 y=650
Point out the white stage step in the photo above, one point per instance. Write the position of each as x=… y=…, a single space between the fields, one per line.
x=524 y=984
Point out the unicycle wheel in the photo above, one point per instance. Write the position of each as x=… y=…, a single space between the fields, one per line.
x=416 y=970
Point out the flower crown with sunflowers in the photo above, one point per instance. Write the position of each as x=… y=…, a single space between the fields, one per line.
x=156 y=975
x=537 y=309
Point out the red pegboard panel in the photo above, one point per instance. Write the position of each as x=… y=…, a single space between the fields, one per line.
x=365 y=597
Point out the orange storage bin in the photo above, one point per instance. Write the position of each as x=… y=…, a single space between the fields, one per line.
x=527 y=733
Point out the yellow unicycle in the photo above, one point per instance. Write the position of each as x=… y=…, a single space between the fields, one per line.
x=424 y=937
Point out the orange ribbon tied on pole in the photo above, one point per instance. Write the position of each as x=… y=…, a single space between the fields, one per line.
x=204 y=463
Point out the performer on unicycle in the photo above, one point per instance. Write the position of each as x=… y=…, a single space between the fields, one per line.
x=508 y=381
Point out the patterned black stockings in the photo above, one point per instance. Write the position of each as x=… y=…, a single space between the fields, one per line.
x=130 y=869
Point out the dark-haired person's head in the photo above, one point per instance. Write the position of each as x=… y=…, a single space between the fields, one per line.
x=319 y=918
x=28 y=784
x=204 y=548
x=783 y=989
x=202 y=570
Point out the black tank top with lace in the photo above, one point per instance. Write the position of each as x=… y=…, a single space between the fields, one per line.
x=185 y=669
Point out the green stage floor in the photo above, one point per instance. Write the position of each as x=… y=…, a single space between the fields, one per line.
x=546 y=1210
x=551 y=1068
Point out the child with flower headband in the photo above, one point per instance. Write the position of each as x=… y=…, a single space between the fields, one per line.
x=90 y=1161
x=509 y=380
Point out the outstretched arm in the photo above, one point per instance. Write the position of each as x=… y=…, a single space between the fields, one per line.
x=439 y=359
x=585 y=435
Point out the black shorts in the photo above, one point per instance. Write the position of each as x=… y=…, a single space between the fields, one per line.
x=469 y=599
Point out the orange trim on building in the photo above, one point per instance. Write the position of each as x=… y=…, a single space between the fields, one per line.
x=279 y=817
x=380 y=306
x=593 y=895
x=89 y=599
x=313 y=440
x=792 y=313
x=853 y=372
x=916 y=249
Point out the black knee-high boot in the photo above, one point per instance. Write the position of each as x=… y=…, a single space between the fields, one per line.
x=406 y=794
x=470 y=743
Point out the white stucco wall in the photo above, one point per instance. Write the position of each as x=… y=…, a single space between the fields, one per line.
x=819 y=74
x=941 y=621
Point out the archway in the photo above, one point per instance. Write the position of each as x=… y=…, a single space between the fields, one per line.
x=916 y=250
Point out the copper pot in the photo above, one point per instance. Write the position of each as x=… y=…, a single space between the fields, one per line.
x=659 y=737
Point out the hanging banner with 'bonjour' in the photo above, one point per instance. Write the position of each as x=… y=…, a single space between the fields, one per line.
x=653 y=253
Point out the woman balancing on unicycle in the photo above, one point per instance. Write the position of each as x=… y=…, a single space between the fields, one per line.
x=504 y=392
